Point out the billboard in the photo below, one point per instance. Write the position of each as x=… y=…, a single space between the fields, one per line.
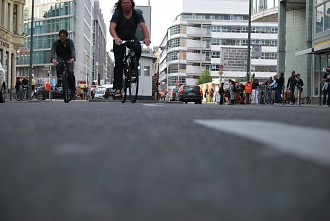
x=234 y=59
x=146 y=12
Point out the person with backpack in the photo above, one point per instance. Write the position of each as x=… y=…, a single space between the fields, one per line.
x=123 y=25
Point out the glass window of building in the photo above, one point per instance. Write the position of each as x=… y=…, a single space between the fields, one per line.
x=175 y=30
x=327 y=16
x=319 y=18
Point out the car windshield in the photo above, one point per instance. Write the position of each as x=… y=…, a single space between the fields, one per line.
x=191 y=88
x=100 y=90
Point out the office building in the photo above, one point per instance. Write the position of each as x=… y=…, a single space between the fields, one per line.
x=303 y=38
x=86 y=28
x=213 y=35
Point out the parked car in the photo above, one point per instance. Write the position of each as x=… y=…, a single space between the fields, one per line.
x=190 y=93
x=100 y=91
x=3 y=84
x=109 y=93
x=56 y=93
x=174 y=94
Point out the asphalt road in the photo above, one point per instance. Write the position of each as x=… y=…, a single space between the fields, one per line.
x=108 y=161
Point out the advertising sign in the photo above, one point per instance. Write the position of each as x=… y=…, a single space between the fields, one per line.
x=234 y=59
x=146 y=13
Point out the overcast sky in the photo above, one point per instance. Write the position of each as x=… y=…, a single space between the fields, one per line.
x=163 y=12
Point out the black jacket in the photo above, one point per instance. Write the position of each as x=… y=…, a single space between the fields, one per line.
x=63 y=52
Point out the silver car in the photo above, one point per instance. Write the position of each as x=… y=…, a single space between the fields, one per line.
x=3 y=84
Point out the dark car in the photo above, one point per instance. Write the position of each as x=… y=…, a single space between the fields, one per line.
x=109 y=93
x=56 y=93
x=190 y=93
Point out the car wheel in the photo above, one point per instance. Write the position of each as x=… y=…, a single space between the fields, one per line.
x=39 y=97
x=2 y=94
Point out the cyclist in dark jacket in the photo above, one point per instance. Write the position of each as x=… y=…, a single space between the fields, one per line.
x=123 y=25
x=63 y=50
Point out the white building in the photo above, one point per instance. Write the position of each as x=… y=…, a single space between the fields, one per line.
x=211 y=33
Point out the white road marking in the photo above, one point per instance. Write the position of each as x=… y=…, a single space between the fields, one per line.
x=154 y=105
x=304 y=142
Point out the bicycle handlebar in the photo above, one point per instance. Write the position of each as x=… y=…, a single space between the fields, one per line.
x=126 y=41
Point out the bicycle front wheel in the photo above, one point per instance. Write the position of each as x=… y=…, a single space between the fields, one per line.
x=65 y=87
x=134 y=81
x=125 y=84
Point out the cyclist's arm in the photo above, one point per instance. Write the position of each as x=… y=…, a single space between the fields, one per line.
x=73 y=52
x=145 y=33
x=113 y=33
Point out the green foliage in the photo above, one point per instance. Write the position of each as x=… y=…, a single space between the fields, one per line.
x=205 y=77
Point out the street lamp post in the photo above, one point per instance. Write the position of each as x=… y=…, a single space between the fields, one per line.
x=97 y=73
x=31 y=52
x=178 y=68
x=248 y=67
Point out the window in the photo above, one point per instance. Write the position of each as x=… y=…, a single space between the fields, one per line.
x=327 y=16
x=15 y=18
x=322 y=15
x=146 y=70
x=319 y=18
x=175 y=30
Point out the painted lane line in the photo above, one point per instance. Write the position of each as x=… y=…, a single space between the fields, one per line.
x=308 y=143
x=154 y=105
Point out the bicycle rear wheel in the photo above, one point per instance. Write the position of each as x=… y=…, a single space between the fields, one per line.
x=65 y=87
x=134 y=81
x=125 y=84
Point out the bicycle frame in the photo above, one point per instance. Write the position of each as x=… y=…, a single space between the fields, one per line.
x=66 y=90
x=130 y=72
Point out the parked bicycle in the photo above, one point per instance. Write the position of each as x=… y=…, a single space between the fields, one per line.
x=130 y=73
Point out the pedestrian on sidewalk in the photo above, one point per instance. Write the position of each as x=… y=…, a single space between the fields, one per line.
x=291 y=85
x=326 y=86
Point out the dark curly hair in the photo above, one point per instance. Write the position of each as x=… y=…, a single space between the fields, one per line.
x=117 y=6
x=63 y=31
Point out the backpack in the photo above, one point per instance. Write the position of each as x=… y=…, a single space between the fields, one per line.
x=234 y=88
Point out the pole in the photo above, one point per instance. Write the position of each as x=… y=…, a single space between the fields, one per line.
x=178 y=66
x=31 y=52
x=248 y=66
x=166 y=76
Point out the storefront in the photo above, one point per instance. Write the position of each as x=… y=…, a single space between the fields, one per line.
x=321 y=53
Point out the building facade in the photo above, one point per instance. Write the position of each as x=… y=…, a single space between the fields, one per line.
x=50 y=16
x=214 y=38
x=303 y=38
x=11 y=36
x=99 y=74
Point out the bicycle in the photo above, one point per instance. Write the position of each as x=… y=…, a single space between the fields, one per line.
x=130 y=73
x=65 y=82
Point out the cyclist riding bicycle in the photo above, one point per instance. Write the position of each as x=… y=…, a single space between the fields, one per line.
x=123 y=25
x=63 y=50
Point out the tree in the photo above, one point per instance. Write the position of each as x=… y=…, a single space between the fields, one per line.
x=205 y=77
